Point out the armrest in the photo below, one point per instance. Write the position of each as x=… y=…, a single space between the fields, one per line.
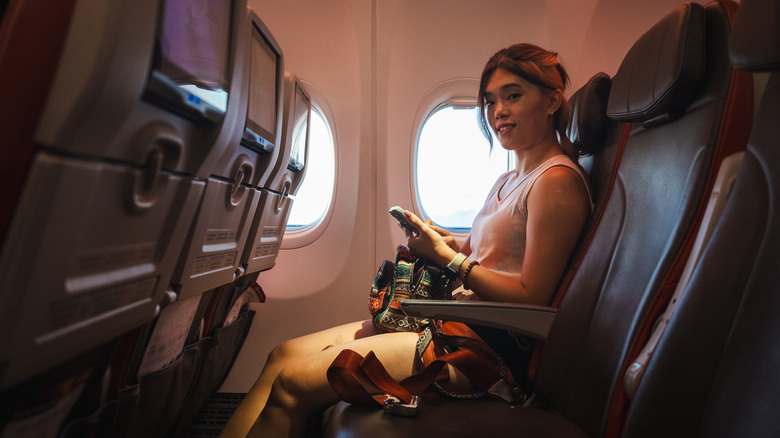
x=525 y=319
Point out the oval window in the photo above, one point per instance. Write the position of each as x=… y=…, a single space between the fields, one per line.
x=455 y=168
x=314 y=196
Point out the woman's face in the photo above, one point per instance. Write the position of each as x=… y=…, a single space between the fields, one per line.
x=518 y=111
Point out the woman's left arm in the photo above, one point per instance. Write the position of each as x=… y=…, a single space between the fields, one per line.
x=558 y=206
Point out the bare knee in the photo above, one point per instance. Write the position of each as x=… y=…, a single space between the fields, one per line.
x=285 y=352
x=279 y=352
x=287 y=392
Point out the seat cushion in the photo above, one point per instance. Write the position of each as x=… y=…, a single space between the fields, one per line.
x=451 y=419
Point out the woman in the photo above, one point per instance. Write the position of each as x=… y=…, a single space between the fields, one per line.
x=517 y=250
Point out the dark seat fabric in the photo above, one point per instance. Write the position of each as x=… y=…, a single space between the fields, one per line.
x=453 y=419
x=587 y=122
x=32 y=36
x=665 y=168
x=715 y=371
x=657 y=191
x=599 y=141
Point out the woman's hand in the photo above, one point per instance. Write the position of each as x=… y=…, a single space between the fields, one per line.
x=465 y=295
x=433 y=242
x=448 y=238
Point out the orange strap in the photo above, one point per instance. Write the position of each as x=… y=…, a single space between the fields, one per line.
x=350 y=371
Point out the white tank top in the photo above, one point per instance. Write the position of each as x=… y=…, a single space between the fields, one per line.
x=498 y=234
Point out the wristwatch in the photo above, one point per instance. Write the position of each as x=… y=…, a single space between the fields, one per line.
x=452 y=270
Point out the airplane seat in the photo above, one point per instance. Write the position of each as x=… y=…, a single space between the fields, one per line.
x=165 y=402
x=91 y=217
x=120 y=151
x=673 y=89
x=277 y=195
x=214 y=274
x=586 y=128
x=599 y=142
x=679 y=105
x=714 y=371
x=30 y=46
x=213 y=277
x=211 y=256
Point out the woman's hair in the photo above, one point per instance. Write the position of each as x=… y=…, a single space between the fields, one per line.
x=539 y=67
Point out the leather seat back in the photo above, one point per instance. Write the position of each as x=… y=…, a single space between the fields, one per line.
x=714 y=373
x=599 y=141
x=672 y=87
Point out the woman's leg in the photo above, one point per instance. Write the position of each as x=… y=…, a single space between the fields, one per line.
x=302 y=389
x=285 y=354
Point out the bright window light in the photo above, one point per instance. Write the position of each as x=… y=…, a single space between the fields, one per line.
x=455 y=168
x=314 y=195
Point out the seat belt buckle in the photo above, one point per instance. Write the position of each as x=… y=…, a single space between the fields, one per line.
x=394 y=405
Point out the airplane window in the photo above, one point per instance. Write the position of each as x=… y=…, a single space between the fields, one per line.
x=452 y=154
x=314 y=195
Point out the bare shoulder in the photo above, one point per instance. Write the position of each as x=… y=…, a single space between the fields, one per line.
x=563 y=184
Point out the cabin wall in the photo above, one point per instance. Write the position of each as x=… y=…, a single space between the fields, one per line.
x=374 y=62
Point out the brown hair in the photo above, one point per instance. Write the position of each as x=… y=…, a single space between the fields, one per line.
x=539 y=67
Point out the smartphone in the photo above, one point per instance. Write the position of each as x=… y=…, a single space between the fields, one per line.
x=403 y=221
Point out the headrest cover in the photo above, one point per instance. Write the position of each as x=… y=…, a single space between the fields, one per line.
x=663 y=71
x=755 y=36
x=588 y=114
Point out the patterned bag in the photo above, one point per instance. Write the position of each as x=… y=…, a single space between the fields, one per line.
x=408 y=278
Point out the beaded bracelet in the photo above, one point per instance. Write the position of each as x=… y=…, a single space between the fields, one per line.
x=467 y=273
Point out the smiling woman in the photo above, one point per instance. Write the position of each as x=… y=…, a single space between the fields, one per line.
x=519 y=69
x=516 y=251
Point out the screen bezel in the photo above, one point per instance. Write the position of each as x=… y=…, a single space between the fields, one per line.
x=295 y=164
x=256 y=136
x=166 y=93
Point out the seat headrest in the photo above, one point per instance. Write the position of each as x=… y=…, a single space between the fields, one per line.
x=755 y=37
x=588 y=114
x=663 y=71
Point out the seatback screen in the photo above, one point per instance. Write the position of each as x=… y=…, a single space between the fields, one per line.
x=300 y=130
x=262 y=115
x=190 y=69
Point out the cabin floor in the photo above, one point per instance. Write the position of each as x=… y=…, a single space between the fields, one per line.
x=214 y=415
